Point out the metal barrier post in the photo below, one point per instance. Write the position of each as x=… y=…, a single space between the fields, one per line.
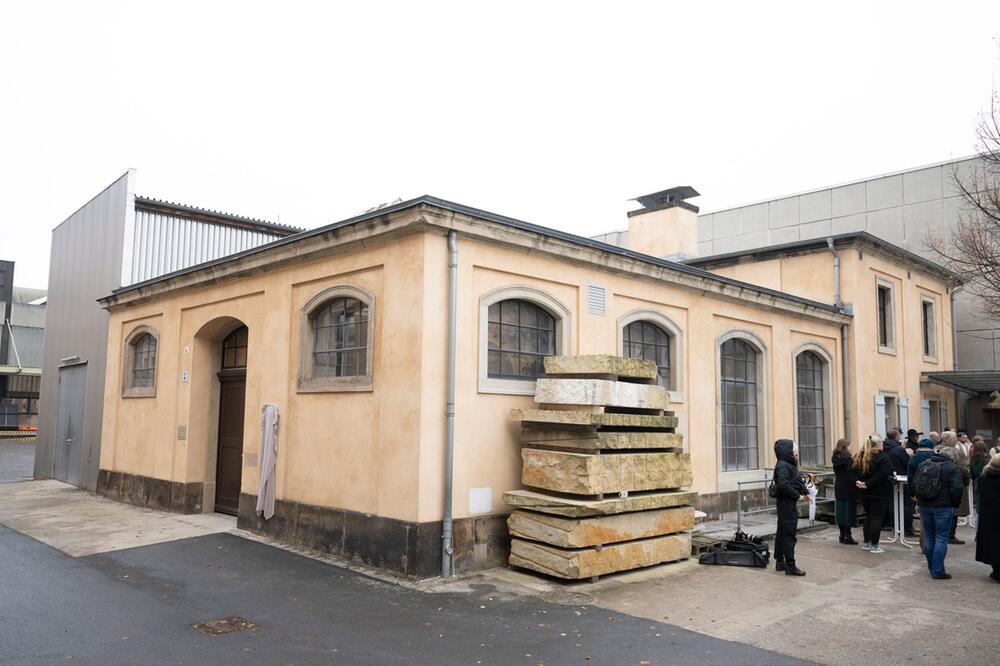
x=739 y=506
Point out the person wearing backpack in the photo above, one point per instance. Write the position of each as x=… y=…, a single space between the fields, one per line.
x=874 y=474
x=925 y=451
x=937 y=485
x=788 y=490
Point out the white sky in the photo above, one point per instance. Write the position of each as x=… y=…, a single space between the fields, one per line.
x=556 y=113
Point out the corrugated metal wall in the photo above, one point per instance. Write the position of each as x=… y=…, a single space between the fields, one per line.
x=165 y=243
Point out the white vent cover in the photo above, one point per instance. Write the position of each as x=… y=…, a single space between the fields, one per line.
x=595 y=300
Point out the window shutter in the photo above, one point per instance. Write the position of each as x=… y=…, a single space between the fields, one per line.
x=595 y=300
x=904 y=414
x=925 y=416
x=880 y=414
x=944 y=414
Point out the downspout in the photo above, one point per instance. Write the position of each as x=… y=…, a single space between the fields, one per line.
x=845 y=370
x=449 y=428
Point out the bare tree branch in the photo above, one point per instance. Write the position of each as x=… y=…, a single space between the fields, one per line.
x=972 y=249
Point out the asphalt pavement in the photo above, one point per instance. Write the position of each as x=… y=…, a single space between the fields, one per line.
x=139 y=606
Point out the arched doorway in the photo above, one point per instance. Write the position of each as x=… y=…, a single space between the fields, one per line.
x=232 y=400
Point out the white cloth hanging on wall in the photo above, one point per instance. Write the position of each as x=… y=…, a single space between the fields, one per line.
x=268 y=459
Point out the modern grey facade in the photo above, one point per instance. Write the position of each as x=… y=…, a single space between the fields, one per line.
x=115 y=239
x=22 y=328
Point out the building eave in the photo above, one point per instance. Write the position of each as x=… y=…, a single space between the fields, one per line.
x=427 y=212
x=860 y=239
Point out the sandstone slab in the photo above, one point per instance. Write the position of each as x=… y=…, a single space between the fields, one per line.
x=565 y=506
x=590 y=474
x=601 y=392
x=597 y=440
x=587 y=562
x=600 y=364
x=585 y=418
x=599 y=530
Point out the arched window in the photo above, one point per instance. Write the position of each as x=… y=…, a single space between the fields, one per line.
x=234 y=349
x=139 y=363
x=811 y=407
x=340 y=339
x=738 y=390
x=144 y=360
x=519 y=335
x=645 y=340
x=336 y=339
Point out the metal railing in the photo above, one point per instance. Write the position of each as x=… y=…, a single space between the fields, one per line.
x=768 y=472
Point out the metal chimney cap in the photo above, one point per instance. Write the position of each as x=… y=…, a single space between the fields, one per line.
x=668 y=196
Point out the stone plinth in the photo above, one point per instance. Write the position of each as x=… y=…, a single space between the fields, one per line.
x=588 y=474
x=599 y=420
x=564 y=506
x=601 y=393
x=598 y=561
x=597 y=440
x=598 y=530
x=601 y=364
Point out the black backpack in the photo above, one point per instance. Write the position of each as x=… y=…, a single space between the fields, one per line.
x=927 y=482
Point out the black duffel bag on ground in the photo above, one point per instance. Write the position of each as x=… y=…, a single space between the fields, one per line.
x=742 y=551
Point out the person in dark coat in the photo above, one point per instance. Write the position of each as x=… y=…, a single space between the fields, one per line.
x=845 y=492
x=912 y=441
x=790 y=488
x=988 y=527
x=936 y=511
x=899 y=459
x=925 y=451
x=874 y=469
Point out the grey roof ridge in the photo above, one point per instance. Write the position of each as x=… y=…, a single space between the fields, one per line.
x=820 y=244
x=139 y=200
x=500 y=219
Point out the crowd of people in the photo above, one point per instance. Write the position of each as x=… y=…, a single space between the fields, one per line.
x=938 y=471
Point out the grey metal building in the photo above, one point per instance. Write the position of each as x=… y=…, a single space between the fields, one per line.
x=22 y=326
x=114 y=240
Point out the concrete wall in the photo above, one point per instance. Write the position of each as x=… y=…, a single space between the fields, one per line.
x=901 y=208
x=84 y=265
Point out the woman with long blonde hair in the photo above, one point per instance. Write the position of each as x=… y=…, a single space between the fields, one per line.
x=874 y=479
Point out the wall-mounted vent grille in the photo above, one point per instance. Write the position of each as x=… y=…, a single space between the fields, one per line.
x=595 y=300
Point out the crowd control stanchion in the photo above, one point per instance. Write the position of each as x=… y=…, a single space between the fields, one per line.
x=899 y=511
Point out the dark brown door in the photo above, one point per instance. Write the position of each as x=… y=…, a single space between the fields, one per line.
x=232 y=398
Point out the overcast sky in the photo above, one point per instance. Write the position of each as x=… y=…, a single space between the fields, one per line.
x=556 y=113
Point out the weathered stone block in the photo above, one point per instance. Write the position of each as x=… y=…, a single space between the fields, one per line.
x=596 y=440
x=589 y=474
x=601 y=392
x=585 y=418
x=565 y=506
x=600 y=364
x=597 y=530
x=587 y=562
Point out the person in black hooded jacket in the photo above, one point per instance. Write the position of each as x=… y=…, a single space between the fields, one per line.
x=874 y=472
x=789 y=489
x=988 y=534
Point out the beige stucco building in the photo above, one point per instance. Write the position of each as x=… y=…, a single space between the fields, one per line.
x=346 y=330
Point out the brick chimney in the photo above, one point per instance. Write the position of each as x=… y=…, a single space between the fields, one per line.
x=666 y=226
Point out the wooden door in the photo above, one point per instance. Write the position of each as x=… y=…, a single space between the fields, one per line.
x=232 y=398
x=229 y=463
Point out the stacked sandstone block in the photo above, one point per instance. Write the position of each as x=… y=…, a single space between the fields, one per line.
x=605 y=468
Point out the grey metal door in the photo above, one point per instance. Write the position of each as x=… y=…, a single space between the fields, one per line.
x=69 y=423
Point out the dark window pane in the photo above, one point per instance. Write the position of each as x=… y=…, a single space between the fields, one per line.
x=524 y=335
